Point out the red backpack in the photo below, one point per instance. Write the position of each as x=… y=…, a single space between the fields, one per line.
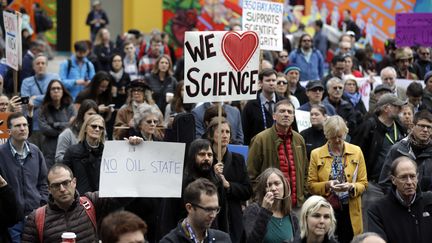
x=40 y=215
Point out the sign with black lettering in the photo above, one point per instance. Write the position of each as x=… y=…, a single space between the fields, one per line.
x=221 y=66
x=266 y=19
x=12 y=24
x=141 y=170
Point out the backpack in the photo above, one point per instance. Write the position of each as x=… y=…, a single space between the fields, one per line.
x=40 y=215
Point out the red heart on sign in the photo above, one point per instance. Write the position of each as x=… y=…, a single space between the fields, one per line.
x=239 y=48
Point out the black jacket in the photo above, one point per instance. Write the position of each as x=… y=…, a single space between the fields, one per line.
x=423 y=160
x=346 y=111
x=397 y=223
x=85 y=162
x=177 y=235
x=239 y=192
x=252 y=118
x=369 y=136
x=9 y=213
x=314 y=138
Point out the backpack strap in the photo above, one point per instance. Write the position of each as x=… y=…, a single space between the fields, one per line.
x=40 y=221
x=69 y=66
x=90 y=210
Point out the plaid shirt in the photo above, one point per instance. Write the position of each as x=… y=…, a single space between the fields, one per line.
x=20 y=157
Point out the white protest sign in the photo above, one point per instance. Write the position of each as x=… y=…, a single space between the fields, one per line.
x=220 y=66
x=266 y=19
x=12 y=24
x=302 y=119
x=141 y=170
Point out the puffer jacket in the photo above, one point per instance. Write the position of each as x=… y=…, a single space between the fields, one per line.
x=75 y=219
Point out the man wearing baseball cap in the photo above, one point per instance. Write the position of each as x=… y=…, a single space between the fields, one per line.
x=376 y=135
x=292 y=73
x=314 y=92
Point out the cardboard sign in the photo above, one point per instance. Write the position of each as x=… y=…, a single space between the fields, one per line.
x=141 y=170
x=221 y=66
x=302 y=119
x=266 y=19
x=413 y=29
x=12 y=24
x=4 y=133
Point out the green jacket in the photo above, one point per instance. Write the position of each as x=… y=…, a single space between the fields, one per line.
x=263 y=153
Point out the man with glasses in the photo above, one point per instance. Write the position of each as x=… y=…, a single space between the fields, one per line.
x=202 y=206
x=66 y=211
x=309 y=59
x=405 y=213
x=335 y=88
x=337 y=69
x=418 y=147
x=388 y=77
x=315 y=92
x=423 y=63
x=22 y=165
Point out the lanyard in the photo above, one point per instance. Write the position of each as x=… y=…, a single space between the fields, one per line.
x=395 y=134
x=264 y=115
x=192 y=234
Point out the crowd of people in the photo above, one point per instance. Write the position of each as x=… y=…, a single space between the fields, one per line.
x=356 y=175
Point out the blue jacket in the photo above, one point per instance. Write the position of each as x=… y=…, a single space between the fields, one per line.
x=312 y=70
x=29 y=181
x=29 y=88
x=76 y=72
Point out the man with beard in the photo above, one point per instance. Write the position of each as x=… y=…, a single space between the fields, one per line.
x=404 y=214
x=281 y=147
x=201 y=202
x=77 y=72
x=423 y=64
x=416 y=146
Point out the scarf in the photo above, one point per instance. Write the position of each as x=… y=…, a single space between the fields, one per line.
x=419 y=144
x=117 y=75
x=353 y=98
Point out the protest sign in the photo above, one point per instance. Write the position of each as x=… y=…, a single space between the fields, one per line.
x=266 y=19
x=413 y=29
x=141 y=170
x=4 y=133
x=302 y=119
x=12 y=24
x=221 y=66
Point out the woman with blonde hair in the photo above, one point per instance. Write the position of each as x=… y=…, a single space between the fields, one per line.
x=317 y=221
x=337 y=171
x=270 y=218
x=84 y=158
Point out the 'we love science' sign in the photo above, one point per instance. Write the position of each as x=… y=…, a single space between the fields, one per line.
x=221 y=66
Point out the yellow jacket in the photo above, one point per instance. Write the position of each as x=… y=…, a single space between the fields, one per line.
x=319 y=173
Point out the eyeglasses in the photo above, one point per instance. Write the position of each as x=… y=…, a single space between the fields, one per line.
x=56 y=88
x=152 y=121
x=425 y=53
x=338 y=88
x=282 y=83
x=207 y=209
x=56 y=186
x=405 y=178
x=317 y=90
x=93 y=126
x=306 y=40
x=422 y=126
x=137 y=90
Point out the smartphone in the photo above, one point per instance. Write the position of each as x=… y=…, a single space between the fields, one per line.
x=25 y=100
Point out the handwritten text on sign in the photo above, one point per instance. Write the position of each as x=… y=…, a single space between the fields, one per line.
x=221 y=66
x=12 y=25
x=266 y=19
x=141 y=170
x=413 y=29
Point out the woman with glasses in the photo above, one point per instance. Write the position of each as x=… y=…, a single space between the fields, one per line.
x=351 y=94
x=269 y=218
x=282 y=61
x=148 y=124
x=232 y=171
x=57 y=112
x=317 y=221
x=139 y=94
x=337 y=171
x=283 y=89
x=70 y=135
x=84 y=158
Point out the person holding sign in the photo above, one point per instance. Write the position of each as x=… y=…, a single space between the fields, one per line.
x=270 y=218
x=84 y=158
x=231 y=170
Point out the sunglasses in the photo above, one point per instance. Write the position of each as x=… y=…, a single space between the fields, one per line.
x=152 y=122
x=97 y=126
x=282 y=83
x=337 y=88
